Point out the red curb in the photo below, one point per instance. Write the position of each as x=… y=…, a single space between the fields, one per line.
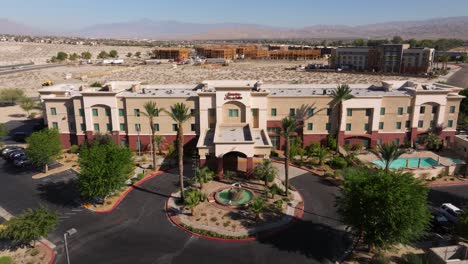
x=447 y=184
x=264 y=234
x=138 y=183
x=52 y=252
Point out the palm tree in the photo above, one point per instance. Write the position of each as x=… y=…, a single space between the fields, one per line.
x=152 y=111
x=321 y=153
x=288 y=127
x=387 y=153
x=340 y=94
x=266 y=171
x=203 y=175
x=180 y=113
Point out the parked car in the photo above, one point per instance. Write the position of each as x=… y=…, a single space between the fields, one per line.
x=440 y=224
x=9 y=149
x=16 y=155
x=450 y=211
x=22 y=161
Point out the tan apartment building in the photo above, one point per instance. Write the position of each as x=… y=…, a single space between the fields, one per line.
x=235 y=119
x=171 y=53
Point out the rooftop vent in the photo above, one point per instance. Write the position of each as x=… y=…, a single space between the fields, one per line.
x=169 y=92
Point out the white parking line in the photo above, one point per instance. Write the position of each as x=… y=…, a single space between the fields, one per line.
x=4 y=214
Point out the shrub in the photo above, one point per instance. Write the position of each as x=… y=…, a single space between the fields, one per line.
x=213 y=219
x=357 y=146
x=34 y=252
x=338 y=163
x=227 y=223
x=6 y=260
x=328 y=175
x=274 y=190
x=347 y=147
x=279 y=204
x=96 y=84
x=331 y=142
x=193 y=197
x=229 y=175
x=140 y=176
x=74 y=149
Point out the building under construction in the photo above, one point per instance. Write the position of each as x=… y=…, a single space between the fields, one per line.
x=171 y=53
x=305 y=54
x=218 y=52
x=252 y=52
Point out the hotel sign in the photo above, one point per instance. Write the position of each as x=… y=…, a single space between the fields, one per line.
x=232 y=96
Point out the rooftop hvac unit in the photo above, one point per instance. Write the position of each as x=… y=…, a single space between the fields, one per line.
x=169 y=92
x=328 y=91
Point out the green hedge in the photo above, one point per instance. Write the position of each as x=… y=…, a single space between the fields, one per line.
x=211 y=233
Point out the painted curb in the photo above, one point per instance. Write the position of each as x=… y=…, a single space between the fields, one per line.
x=52 y=252
x=138 y=183
x=260 y=235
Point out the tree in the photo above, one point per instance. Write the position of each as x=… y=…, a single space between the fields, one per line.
x=11 y=95
x=159 y=140
x=464 y=57
x=30 y=225
x=204 y=175
x=387 y=153
x=257 y=206
x=74 y=57
x=152 y=111
x=397 y=40
x=27 y=104
x=340 y=94
x=432 y=141
x=359 y=42
x=138 y=54
x=113 y=54
x=288 y=127
x=129 y=55
x=43 y=147
x=86 y=55
x=266 y=172
x=104 y=168
x=383 y=208
x=193 y=198
x=103 y=55
x=3 y=132
x=444 y=59
x=321 y=153
x=180 y=113
x=61 y=56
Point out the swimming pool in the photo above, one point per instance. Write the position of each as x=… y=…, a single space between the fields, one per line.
x=456 y=161
x=412 y=163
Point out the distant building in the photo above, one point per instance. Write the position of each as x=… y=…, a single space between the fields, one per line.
x=388 y=58
x=171 y=53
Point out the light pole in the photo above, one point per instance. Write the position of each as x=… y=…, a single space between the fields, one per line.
x=68 y=233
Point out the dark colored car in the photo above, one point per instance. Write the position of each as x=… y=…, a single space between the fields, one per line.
x=22 y=161
x=20 y=136
x=9 y=149
x=15 y=155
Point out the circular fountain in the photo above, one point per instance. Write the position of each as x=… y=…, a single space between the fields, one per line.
x=234 y=196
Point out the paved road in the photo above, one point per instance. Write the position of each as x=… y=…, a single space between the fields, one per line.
x=460 y=78
x=139 y=232
x=457 y=195
x=29 y=68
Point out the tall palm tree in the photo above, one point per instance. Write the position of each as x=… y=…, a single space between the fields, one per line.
x=388 y=153
x=180 y=113
x=288 y=127
x=340 y=94
x=152 y=111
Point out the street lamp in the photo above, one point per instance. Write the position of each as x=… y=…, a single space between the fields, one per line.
x=68 y=233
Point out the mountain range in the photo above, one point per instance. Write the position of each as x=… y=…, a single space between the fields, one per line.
x=449 y=27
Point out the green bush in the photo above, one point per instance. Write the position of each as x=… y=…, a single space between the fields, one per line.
x=74 y=149
x=34 y=252
x=328 y=175
x=229 y=175
x=275 y=190
x=6 y=260
x=347 y=147
x=338 y=163
x=96 y=84
x=331 y=142
x=357 y=146
x=140 y=176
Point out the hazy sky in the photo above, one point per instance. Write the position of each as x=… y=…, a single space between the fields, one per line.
x=62 y=14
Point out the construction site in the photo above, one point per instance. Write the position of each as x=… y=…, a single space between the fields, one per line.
x=172 y=53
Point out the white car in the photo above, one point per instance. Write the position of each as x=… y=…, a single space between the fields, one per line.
x=450 y=211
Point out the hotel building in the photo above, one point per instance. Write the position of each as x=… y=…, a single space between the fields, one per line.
x=242 y=118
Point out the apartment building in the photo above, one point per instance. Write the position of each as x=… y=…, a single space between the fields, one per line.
x=243 y=118
x=388 y=58
x=171 y=53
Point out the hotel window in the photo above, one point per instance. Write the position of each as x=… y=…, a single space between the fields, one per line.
x=192 y=127
x=398 y=125
x=452 y=109
x=108 y=112
x=273 y=130
x=400 y=110
x=156 y=127
x=275 y=141
x=136 y=112
x=81 y=111
x=55 y=125
x=273 y=112
x=366 y=127
x=137 y=127
x=255 y=112
x=409 y=110
x=292 y=111
x=96 y=127
x=408 y=124
x=381 y=125
x=83 y=127
x=310 y=112
x=310 y=126
x=121 y=112
x=349 y=112
x=174 y=127
x=212 y=112
x=382 y=111
x=328 y=126
x=329 y=111
x=95 y=112
x=434 y=109
x=109 y=127
x=422 y=109
x=396 y=141
x=122 y=127
x=450 y=123
x=53 y=111
x=420 y=123
x=233 y=112
x=348 y=127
